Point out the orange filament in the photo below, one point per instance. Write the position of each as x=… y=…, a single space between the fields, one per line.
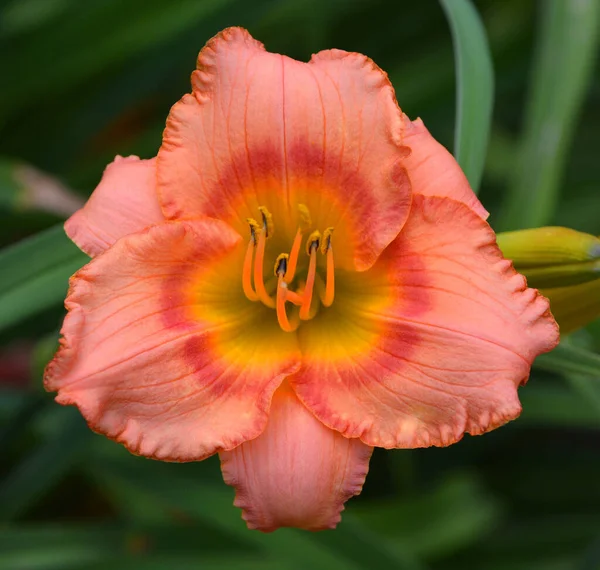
x=293 y=261
x=247 y=272
x=311 y=247
x=304 y=224
x=294 y=298
x=328 y=295
x=281 y=264
x=282 y=317
x=259 y=283
x=253 y=281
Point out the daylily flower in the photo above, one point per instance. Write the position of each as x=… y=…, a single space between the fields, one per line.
x=300 y=275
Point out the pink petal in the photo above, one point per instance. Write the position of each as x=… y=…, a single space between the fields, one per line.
x=430 y=343
x=433 y=171
x=263 y=129
x=124 y=202
x=297 y=473
x=160 y=349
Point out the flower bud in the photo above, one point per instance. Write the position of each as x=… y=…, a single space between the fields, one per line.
x=552 y=257
x=575 y=306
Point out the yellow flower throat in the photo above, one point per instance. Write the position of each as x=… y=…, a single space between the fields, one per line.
x=285 y=270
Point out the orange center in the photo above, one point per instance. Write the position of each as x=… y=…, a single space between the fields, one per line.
x=305 y=305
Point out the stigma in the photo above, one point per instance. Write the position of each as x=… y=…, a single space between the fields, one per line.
x=298 y=273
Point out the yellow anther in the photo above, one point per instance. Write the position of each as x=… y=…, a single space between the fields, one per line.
x=254 y=228
x=305 y=221
x=281 y=264
x=267 y=220
x=313 y=242
x=326 y=241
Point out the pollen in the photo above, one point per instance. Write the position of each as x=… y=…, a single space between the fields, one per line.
x=281 y=264
x=254 y=228
x=326 y=241
x=291 y=270
x=305 y=220
x=313 y=242
x=267 y=220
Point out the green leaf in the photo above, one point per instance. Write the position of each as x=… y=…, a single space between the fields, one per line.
x=168 y=486
x=562 y=72
x=556 y=406
x=19 y=421
x=115 y=546
x=56 y=547
x=440 y=521
x=35 y=274
x=566 y=359
x=10 y=188
x=43 y=467
x=589 y=388
x=474 y=87
x=81 y=47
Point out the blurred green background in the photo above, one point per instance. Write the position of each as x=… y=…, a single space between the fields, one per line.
x=83 y=81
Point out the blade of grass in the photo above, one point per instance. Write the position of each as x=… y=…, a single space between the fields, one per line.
x=474 y=87
x=562 y=71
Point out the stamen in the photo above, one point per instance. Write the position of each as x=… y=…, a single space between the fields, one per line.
x=312 y=245
x=327 y=249
x=259 y=283
x=247 y=270
x=253 y=280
